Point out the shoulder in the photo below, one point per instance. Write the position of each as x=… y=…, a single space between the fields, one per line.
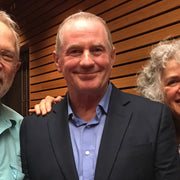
x=135 y=102
x=10 y=114
x=59 y=107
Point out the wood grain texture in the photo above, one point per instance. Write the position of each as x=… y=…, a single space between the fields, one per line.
x=135 y=26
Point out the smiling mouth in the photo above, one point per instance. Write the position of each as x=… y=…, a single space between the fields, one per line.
x=87 y=76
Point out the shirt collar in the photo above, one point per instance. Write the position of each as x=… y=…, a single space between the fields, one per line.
x=103 y=104
x=8 y=117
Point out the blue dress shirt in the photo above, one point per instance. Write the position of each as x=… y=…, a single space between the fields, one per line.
x=86 y=137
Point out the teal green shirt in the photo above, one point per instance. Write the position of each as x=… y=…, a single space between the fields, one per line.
x=10 y=161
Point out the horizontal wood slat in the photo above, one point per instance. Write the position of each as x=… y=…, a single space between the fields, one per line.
x=126 y=69
x=105 y=5
x=125 y=82
x=152 y=37
x=45 y=77
x=43 y=69
x=147 y=12
x=70 y=7
x=133 y=55
x=42 y=94
x=48 y=85
x=41 y=61
x=125 y=9
x=148 y=25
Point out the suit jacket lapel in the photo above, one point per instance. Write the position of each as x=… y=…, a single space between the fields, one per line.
x=115 y=127
x=60 y=140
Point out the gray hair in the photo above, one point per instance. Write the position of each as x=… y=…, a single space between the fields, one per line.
x=78 y=16
x=6 y=19
x=149 y=80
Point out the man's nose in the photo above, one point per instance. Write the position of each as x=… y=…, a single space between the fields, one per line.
x=87 y=59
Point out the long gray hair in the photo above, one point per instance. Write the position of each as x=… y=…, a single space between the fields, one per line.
x=149 y=80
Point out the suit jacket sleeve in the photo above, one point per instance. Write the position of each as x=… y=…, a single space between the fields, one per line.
x=23 y=150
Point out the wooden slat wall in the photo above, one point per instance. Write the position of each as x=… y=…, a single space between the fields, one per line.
x=135 y=25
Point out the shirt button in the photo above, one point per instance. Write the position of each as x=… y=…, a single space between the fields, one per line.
x=87 y=153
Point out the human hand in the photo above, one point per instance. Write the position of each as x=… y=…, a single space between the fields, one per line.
x=45 y=105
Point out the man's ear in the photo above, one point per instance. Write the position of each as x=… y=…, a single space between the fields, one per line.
x=57 y=61
x=18 y=66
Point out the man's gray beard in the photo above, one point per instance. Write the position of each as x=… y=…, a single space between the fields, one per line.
x=5 y=87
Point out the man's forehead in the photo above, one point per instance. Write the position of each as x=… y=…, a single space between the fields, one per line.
x=81 y=23
x=5 y=30
x=74 y=46
x=8 y=41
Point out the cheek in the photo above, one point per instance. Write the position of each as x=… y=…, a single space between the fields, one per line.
x=169 y=95
x=9 y=74
x=104 y=62
x=68 y=67
x=69 y=63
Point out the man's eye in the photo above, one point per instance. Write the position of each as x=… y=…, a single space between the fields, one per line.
x=75 y=52
x=96 y=51
x=172 y=83
x=7 y=56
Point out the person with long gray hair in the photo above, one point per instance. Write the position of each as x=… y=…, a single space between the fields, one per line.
x=159 y=79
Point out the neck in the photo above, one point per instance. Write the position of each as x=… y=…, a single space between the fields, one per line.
x=84 y=105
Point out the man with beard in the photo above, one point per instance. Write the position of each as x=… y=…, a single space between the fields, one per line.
x=10 y=164
x=10 y=121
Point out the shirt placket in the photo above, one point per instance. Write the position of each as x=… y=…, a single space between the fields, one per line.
x=88 y=152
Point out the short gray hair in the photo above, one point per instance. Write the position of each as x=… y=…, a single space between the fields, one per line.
x=6 y=19
x=149 y=80
x=77 y=16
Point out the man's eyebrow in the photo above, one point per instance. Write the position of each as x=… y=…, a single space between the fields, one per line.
x=173 y=77
x=7 y=50
x=73 y=46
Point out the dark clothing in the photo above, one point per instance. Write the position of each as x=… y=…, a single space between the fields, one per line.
x=138 y=143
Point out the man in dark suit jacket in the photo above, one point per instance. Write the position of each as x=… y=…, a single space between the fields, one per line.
x=97 y=131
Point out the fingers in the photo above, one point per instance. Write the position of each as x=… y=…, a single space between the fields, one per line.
x=58 y=99
x=36 y=109
x=45 y=105
x=31 y=110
